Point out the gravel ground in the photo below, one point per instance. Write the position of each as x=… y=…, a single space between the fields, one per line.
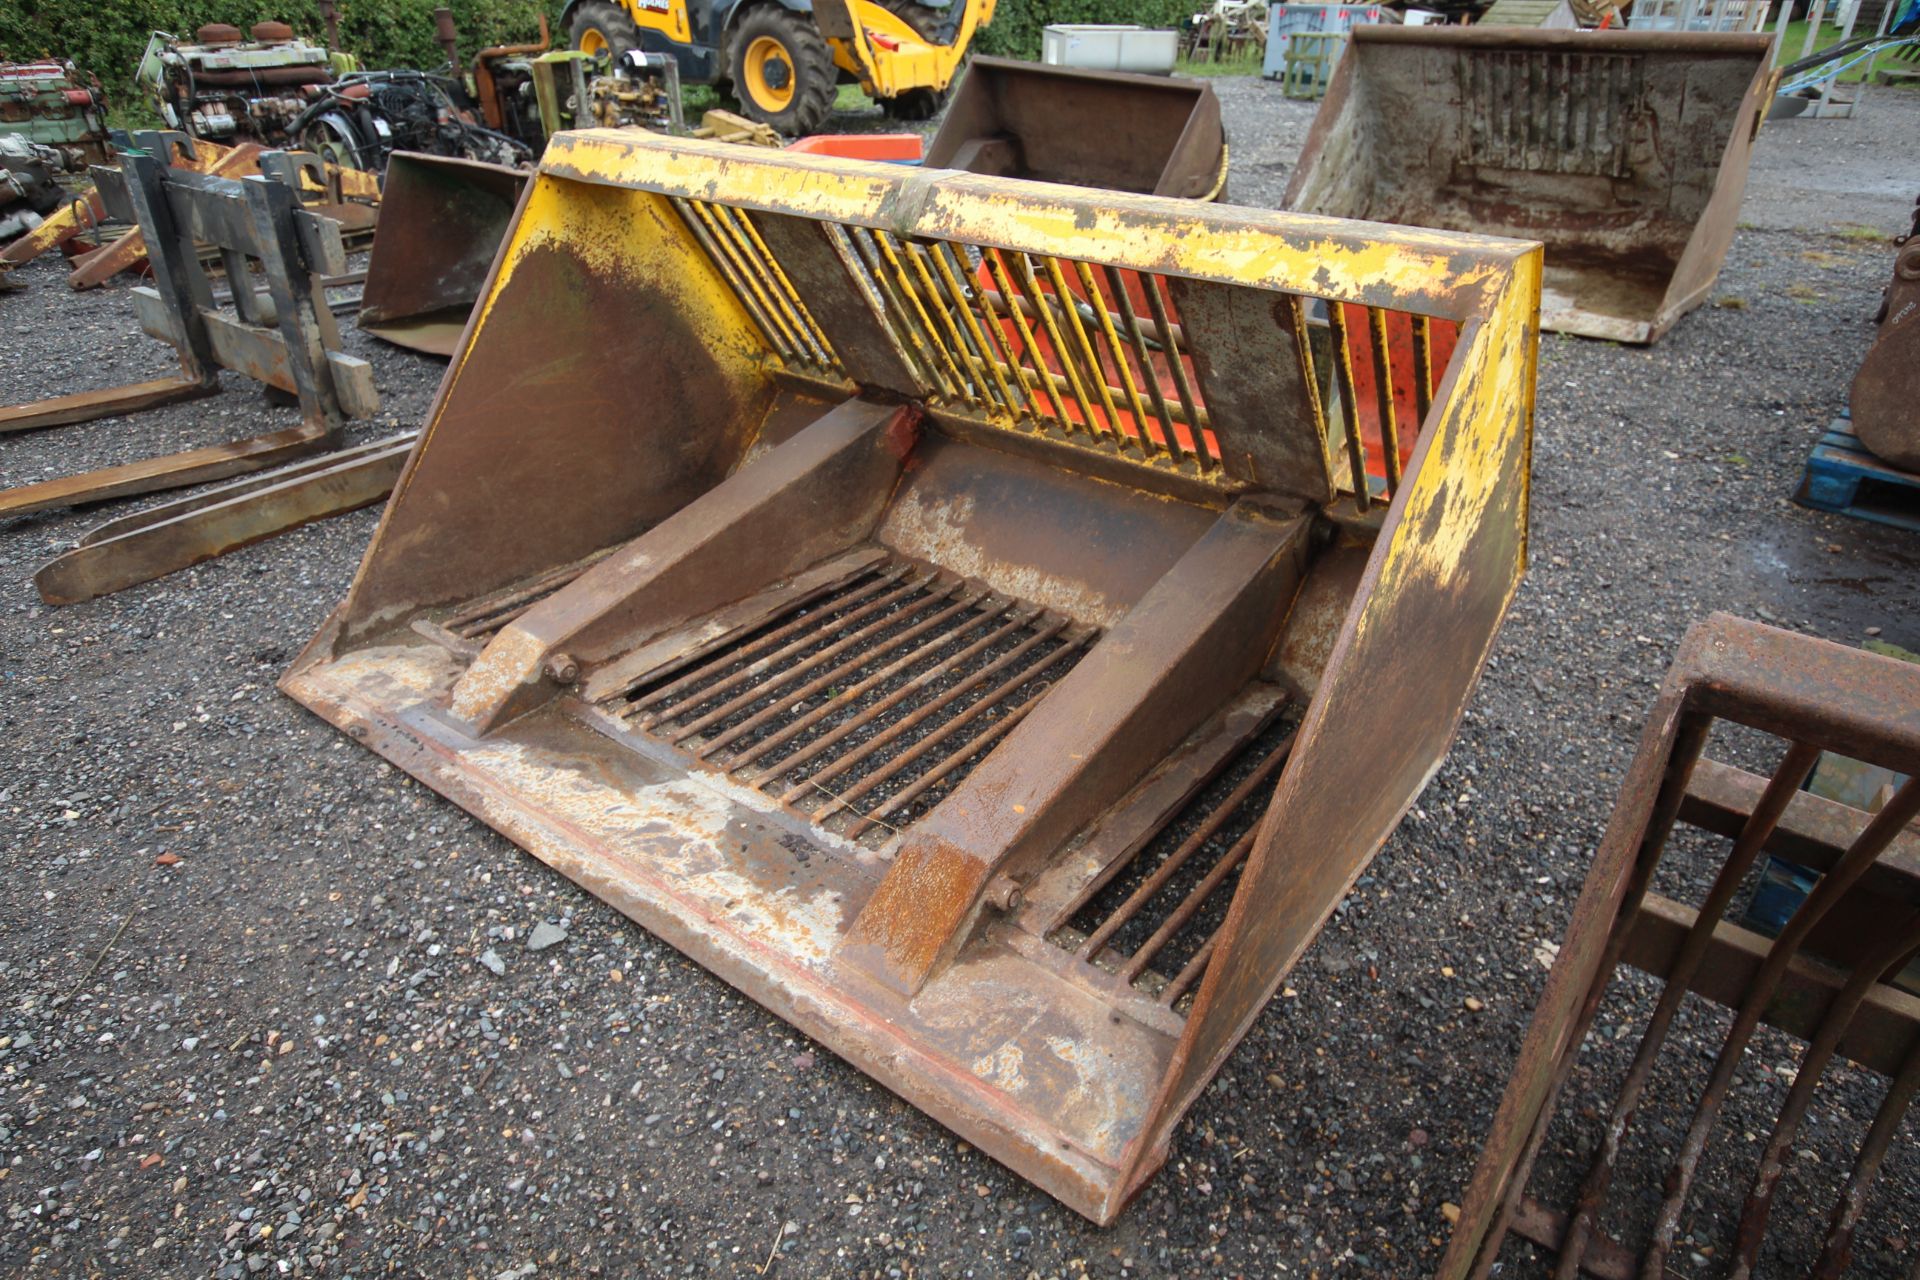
x=268 y=1006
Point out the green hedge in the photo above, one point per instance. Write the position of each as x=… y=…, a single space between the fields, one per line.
x=1015 y=32
x=107 y=38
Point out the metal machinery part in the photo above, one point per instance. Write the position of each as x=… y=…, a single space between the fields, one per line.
x=54 y=104
x=362 y=118
x=29 y=185
x=1155 y=135
x=441 y=225
x=1624 y=152
x=279 y=90
x=280 y=333
x=1826 y=979
x=575 y=90
x=174 y=535
x=959 y=611
x=229 y=88
x=1885 y=400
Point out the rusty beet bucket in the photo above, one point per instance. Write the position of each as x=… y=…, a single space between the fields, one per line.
x=950 y=611
x=441 y=224
x=1152 y=135
x=1624 y=152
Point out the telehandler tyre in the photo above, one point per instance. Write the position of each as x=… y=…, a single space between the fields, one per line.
x=783 y=70
x=601 y=26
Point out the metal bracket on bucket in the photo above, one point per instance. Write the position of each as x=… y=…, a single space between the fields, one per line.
x=972 y=616
x=1825 y=979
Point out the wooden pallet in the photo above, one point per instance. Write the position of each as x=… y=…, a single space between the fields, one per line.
x=1842 y=476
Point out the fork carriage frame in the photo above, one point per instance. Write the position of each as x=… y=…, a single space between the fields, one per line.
x=1253 y=484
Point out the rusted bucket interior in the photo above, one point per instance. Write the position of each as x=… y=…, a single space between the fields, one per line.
x=920 y=617
x=441 y=224
x=1152 y=135
x=1625 y=153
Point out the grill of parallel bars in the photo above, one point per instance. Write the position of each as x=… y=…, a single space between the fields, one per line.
x=1088 y=353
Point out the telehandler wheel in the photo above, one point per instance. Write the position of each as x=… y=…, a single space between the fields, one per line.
x=602 y=27
x=783 y=70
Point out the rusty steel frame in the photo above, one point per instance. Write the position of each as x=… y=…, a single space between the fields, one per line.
x=183 y=532
x=853 y=624
x=339 y=189
x=1624 y=152
x=1825 y=979
x=282 y=335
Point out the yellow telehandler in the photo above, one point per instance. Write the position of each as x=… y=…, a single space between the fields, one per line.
x=785 y=59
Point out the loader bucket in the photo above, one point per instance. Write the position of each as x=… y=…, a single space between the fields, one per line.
x=1624 y=152
x=1154 y=135
x=441 y=224
x=945 y=605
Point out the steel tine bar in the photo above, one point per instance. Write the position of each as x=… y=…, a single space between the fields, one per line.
x=1196 y=897
x=719 y=651
x=1422 y=369
x=1030 y=285
x=780 y=278
x=1349 y=403
x=1881 y=964
x=995 y=613
x=1154 y=883
x=864 y=261
x=810 y=626
x=1162 y=318
x=1042 y=374
x=772 y=326
x=842 y=670
x=1082 y=345
x=943 y=301
x=945 y=730
x=1689 y=741
x=1309 y=373
x=1138 y=340
x=1001 y=345
x=959 y=690
x=1847 y=1211
x=957 y=291
x=1785 y=783
x=1383 y=390
x=701 y=667
x=1104 y=320
x=776 y=680
x=903 y=284
x=982 y=741
x=762 y=279
x=956 y=341
x=1191 y=971
x=1859 y=856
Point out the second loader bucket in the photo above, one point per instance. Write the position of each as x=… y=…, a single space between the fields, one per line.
x=441 y=224
x=1152 y=135
x=1624 y=152
x=945 y=606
